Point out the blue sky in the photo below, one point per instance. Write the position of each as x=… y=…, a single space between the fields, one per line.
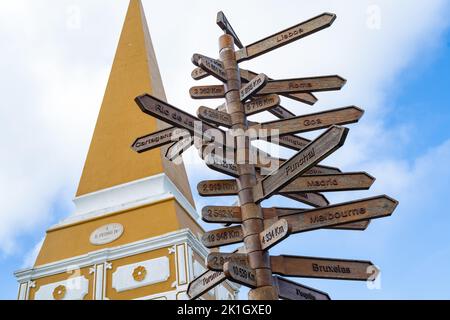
x=398 y=70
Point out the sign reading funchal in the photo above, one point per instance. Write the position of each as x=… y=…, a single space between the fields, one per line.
x=300 y=178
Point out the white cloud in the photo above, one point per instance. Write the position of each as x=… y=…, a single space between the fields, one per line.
x=55 y=71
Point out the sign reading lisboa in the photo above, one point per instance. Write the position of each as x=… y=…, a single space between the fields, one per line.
x=106 y=234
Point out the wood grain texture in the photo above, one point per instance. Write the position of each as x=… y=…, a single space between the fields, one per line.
x=274 y=234
x=240 y=274
x=343 y=213
x=207 y=92
x=205 y=282
x=225 y=25
x=304 y=85
x=316 y=200
x=172 y=115
x=154 y=140
x=286 y=36
x=315 y=121
x=332 y=182
x=306 y=97
x=312 y=267
x=253 y=87
x=216 y=260
x=216 y=117
x=315 y=152
x=290 y=290
x=223 y=237
x=262 y=103
x=214 y=188
x=222 y=214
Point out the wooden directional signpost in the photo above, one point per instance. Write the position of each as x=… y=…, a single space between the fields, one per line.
x=300 y=178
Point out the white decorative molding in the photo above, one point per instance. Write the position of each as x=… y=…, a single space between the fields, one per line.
x=126 y=196
x=131 y=249
x=99 y=281
x=75 y=289
x=181 y=264
x=109 y=254
x=23 y=287
x=157 y=270
x=106 y=234
x=172 y=250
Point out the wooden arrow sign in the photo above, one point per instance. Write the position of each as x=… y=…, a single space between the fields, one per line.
x=313 y=121
x=216 y=260
x=247 y=76
x=207 y=92
x=290 y=290
x=172 y=115
x=270 y=213
x=155 y=140
x=327 y=183
x=216 y=117
x=301 y=85
x=285 y=37
x=223 y=23
x=213 y=68
x=316 y=200
x=240 y=274
x=344 y=213
x=205 y=282
x=253 y=87
x=178 y=148
x=315 y=152
x=261 y=104
x=310 y=267
x=274 y=234
x=214 y=188
x=222 y=214
x=232 y=214
x=223 y=237
x=305 y=97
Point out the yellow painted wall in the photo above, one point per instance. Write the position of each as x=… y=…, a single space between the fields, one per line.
x=139 y=223
x=112 y=294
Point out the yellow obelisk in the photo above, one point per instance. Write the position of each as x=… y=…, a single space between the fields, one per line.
x=134 y=233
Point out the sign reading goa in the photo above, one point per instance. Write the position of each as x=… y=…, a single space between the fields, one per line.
x=106 y=234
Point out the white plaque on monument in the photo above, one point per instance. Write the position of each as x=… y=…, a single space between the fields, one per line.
x=106 y=234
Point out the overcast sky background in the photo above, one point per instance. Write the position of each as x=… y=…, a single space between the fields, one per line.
x=55 y=61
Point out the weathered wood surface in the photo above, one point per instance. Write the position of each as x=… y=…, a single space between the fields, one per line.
x=207 y=92
x=223 y=237
x=274 y=234
x=304 y=85
x=155 y=140
x=215 y=188
x=286 y=36
x=174 y=116
x=312 y=267
x=232 y=214
x=314 y=199
x=205 y=282
x=315 y=152
x=216 y=260
x=290 y=290
x=253 y=87
x=315 y=121
x=225 y=25
x=327 y=183
x=240 y=274
x=343 y=213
